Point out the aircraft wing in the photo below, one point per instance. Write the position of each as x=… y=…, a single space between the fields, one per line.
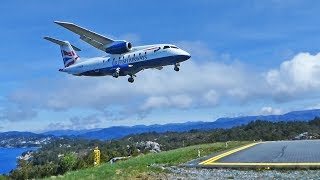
x=94 y=39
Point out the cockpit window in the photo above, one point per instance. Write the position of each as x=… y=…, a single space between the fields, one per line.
x=174 y=47
x=157 y=49
x=165 y=47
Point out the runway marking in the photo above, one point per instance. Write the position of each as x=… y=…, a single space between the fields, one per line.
x=262 y=164
x=211 y=160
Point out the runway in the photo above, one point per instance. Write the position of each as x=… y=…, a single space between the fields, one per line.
x=272 y=154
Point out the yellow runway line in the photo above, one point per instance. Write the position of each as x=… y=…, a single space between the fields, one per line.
x=263 y=164
x=211 y=160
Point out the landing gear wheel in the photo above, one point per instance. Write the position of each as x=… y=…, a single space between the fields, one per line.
x=176 y=67
x=130 y=80
x=117 y=73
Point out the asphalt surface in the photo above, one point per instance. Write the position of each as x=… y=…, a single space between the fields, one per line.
x=284 y=154
x=278 y=152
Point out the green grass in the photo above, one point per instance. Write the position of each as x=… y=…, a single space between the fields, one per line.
x=137 y=167
x=2 y=177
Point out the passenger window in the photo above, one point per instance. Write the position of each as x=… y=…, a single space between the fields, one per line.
x=129 y=56
x=145 y=52
x=134 y=55
x=123 y=57
x=166 y=47
x=119 y=57
x=139 y=54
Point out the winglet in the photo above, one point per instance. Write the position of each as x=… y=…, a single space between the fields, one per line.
x=63 y=23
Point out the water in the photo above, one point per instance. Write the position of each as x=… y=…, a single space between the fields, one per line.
x=8 y=159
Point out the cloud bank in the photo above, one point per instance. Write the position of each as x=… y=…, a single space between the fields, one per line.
x=205 y=81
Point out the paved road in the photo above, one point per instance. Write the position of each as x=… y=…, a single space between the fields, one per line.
x=290 y=154
x=278 y=152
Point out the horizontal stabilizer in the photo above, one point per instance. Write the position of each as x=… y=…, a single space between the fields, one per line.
x=61 y=43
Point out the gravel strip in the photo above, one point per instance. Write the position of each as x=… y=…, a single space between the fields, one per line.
x=200 y=173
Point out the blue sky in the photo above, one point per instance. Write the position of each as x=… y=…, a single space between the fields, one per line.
x=248 y=58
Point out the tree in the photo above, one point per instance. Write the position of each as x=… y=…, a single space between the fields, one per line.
x=68 y=162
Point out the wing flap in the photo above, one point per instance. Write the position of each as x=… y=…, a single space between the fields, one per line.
x=90 y=37
x=92 y=42
x=159 y=68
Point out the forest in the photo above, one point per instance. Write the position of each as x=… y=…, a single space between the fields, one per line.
x=69 y=154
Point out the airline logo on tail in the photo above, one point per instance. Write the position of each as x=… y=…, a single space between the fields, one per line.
x=72 y=57
x=68 y=53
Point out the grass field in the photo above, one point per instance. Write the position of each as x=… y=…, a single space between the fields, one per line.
x=139 y=167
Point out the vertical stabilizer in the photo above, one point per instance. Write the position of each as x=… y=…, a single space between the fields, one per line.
x=67 y=51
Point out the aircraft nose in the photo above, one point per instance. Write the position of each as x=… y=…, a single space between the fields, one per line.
x=186 y=55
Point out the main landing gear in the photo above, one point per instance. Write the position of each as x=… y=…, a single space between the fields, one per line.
x=131 y=79
x=116 y=73
x=176 y=67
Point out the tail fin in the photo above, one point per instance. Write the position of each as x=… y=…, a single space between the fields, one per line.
x=67 y=51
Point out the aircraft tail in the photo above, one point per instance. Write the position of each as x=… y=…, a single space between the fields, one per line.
x=67 y=51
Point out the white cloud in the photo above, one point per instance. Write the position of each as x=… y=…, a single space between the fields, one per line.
x=178 y=101
x=181 y=101
x=155 y=102
x=314 y=106
x=76 y=123
x=202 y=82
x=131 y=37
x=296 y=77
x=270 y=111
x=199 y=83
x=212 y=97
x=17 y=113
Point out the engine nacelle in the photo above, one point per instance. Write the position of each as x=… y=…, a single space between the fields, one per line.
x=119 y=47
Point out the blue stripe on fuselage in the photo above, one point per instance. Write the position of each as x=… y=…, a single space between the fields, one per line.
x=137 y=66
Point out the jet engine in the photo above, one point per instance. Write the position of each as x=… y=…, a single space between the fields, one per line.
x=119 y=47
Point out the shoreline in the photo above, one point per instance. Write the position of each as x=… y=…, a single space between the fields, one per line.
x=10 y=157
x=20 y=147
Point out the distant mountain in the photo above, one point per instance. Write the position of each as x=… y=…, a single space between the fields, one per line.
x=305 y=115
x=121 y=131
x=17 y=133
x=69 y=132
x=15 y=139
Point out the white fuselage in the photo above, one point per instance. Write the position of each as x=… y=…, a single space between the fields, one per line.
x=139 y=58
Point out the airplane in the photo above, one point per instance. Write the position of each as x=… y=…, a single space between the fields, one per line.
x=123 y=58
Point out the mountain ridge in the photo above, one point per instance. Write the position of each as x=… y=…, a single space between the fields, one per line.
x=227 y=122
x=121 y=131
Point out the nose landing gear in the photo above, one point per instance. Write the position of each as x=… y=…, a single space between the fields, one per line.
x=176 y=67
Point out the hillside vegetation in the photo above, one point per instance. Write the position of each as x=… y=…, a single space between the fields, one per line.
x=148 y=166
x=66 y=155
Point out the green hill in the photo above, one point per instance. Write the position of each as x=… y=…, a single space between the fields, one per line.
x=147 y=166
x=61 y=156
